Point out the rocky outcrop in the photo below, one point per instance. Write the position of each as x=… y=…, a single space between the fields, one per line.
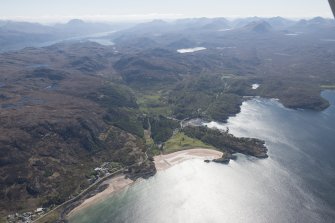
x=225 y=159
x=228 y=143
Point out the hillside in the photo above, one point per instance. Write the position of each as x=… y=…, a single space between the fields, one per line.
x=58 y=125
x=69 y=108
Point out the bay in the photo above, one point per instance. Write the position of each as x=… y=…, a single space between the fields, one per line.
x=295 y=184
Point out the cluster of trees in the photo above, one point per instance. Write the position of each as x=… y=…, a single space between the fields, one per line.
x=227 y=142
x=208 y=97
x=122 y=108
x=162 y=128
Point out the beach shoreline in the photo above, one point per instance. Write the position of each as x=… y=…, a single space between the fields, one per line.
x=115 y=184
x=162 y=162
x=165 y=161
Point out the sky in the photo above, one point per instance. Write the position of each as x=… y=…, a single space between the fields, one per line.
x=124 y=10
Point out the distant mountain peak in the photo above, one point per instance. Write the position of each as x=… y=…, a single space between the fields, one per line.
x=75 y=22
x=259 y=27
x=317 y=22
x=158 y=22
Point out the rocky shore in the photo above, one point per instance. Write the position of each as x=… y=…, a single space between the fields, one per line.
x=227 y=143
x=225 y=159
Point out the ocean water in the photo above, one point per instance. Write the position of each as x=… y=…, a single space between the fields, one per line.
x=295 y=184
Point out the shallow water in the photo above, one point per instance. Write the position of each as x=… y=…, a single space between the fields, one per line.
x=295 y=184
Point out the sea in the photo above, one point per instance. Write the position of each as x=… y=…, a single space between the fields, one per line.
x=295 y=184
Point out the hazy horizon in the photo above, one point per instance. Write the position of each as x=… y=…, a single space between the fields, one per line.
x=127 y=10
x=143 y=20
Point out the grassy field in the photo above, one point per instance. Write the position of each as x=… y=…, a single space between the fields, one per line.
x=148 y=140
x=153 y=104
x=180 y=141
x=153 y=149
x=52 y=216
x=331 y=86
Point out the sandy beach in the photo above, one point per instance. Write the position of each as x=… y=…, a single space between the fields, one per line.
x=115 y=184
x=162 y=162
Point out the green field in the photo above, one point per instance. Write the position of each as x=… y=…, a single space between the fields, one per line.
x=148 y=140
x=180 y=141
x=153 y=150
x=50 y=217
x=328 y=86
x=152 y=103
